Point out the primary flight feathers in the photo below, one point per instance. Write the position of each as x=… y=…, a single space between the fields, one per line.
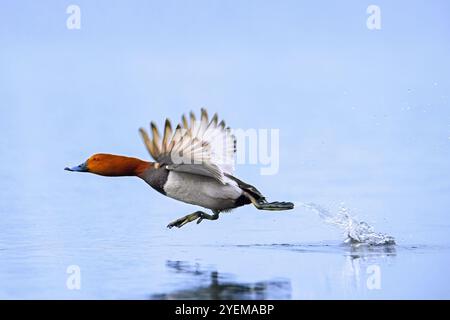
x=204 y=146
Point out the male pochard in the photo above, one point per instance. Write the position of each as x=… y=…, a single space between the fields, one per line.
x=194 y=164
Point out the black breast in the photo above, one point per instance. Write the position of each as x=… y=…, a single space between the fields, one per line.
x=157 y=178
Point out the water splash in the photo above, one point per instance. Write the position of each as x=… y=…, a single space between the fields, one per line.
x=356 y=232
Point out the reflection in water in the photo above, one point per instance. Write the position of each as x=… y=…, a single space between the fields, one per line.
x=361 y=261
x=218 y=286
x=371 y=253
x=347 y=249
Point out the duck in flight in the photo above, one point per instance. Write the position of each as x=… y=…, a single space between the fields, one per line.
x=194 y=164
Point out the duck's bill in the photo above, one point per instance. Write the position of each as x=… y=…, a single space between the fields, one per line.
x=81 y=168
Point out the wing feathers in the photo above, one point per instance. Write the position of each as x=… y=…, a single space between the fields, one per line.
x=156 y=137
x=203 y=147
x=184 y=121
x=148 y=143
x=167 y=136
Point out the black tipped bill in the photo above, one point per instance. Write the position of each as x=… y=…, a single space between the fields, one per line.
x=81 y=168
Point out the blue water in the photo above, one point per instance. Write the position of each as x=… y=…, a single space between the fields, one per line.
x=364 y=120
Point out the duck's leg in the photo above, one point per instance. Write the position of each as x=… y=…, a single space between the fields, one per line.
x=262 y=204
x=206 y=216
x=258 y=200
x=200 y=215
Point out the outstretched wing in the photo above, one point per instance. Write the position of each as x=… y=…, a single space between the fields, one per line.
x=203 y=147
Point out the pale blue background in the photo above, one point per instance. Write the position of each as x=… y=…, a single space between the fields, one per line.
x=364 y=119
